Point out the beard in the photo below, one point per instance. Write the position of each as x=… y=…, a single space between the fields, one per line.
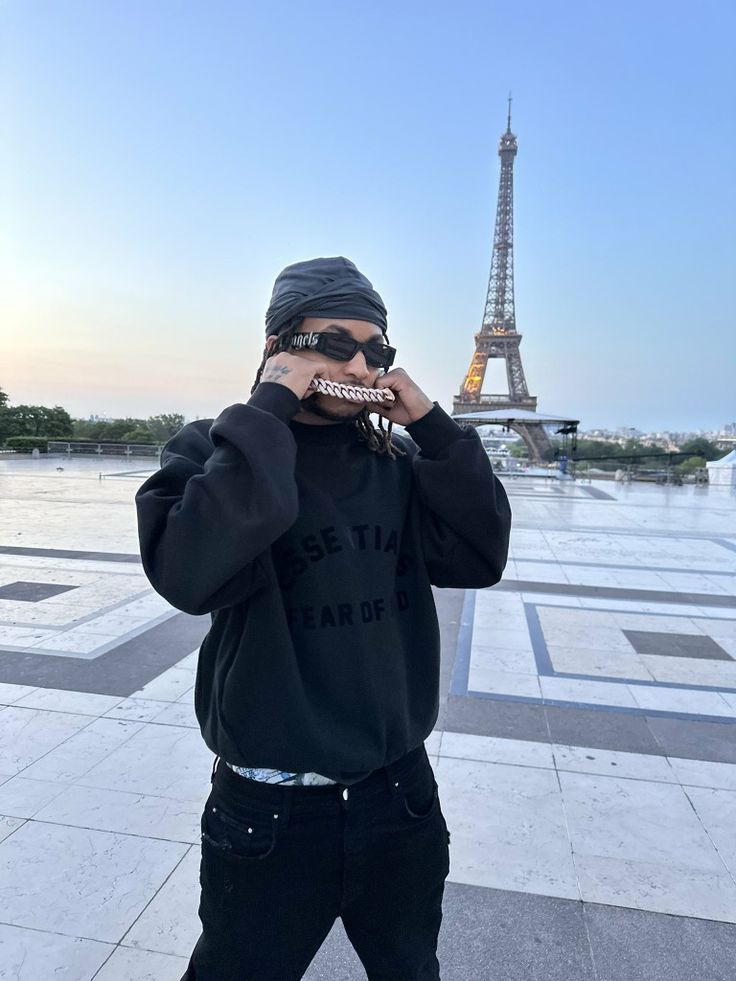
x=345 y=413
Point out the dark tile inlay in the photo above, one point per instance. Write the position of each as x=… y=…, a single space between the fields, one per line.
x=599 y=494
x=637 y=945
x=120 y=671
x=65 y=553
x=615 y=592
x=690 y=739
x=676 y=645
x=597 y=729
x=32 y=592
x=488 y=717
x=487 y=935
x=503 y=935
x=695 y=739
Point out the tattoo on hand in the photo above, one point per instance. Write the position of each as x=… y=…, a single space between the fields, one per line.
x=273 y=373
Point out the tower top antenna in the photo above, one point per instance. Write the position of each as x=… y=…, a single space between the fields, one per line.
x=508 y=121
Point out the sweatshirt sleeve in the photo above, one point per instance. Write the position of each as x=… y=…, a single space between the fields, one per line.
x=223 y=494
x=466 y=517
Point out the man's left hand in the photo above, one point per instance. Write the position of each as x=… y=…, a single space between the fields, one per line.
x=410 y=401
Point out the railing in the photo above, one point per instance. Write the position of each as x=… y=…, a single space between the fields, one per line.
x=498 y=400
x=504 y=400
x=104 y=449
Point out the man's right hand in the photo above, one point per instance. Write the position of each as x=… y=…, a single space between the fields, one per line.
x=293 y=372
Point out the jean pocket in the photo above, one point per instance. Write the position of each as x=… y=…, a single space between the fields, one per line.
x=421 y=801
x=247 y=838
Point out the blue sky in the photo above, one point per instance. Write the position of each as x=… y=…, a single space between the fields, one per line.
x=162 y=161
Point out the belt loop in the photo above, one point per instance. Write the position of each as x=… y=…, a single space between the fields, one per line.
x=284 y=809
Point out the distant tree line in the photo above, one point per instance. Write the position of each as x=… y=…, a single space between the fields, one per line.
x=155 y=429
x=33 y=425
x=601 y=455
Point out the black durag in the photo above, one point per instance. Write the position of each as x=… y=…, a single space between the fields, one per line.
x=328 y=287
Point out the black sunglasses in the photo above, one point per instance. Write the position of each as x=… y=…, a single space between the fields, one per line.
x=344 y=348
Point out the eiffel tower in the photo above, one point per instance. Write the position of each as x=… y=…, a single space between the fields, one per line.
x=498 y=337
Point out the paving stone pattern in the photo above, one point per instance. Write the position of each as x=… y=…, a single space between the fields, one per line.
x=585 y=747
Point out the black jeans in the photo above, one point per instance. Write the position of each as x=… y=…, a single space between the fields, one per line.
x=280 y=864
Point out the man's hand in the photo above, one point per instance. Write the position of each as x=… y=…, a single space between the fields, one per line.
x=292 y=372
x=411 y=402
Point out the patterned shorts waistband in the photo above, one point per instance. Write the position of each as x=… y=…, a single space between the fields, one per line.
x=281 y=777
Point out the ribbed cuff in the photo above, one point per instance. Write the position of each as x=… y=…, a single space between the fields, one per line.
x=277 y=399
x=434 y=432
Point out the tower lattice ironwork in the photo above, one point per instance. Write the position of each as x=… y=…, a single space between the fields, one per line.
x=498 y=337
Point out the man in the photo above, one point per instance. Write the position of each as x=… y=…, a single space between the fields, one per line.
x=313 y=538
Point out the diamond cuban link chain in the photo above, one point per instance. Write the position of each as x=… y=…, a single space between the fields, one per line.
x=354 y=393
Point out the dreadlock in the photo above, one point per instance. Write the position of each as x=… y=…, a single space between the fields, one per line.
x=377 y=440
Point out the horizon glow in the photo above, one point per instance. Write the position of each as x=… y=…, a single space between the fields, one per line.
x=163 y=162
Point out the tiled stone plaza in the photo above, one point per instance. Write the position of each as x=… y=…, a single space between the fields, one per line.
x=585 y=749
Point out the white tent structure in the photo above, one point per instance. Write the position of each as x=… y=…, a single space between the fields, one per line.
x=722 y=473
x=502 y=417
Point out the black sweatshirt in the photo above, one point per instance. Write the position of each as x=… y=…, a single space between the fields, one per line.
x=314 y=557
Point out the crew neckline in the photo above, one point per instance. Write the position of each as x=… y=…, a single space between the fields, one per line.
x=336 y=433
